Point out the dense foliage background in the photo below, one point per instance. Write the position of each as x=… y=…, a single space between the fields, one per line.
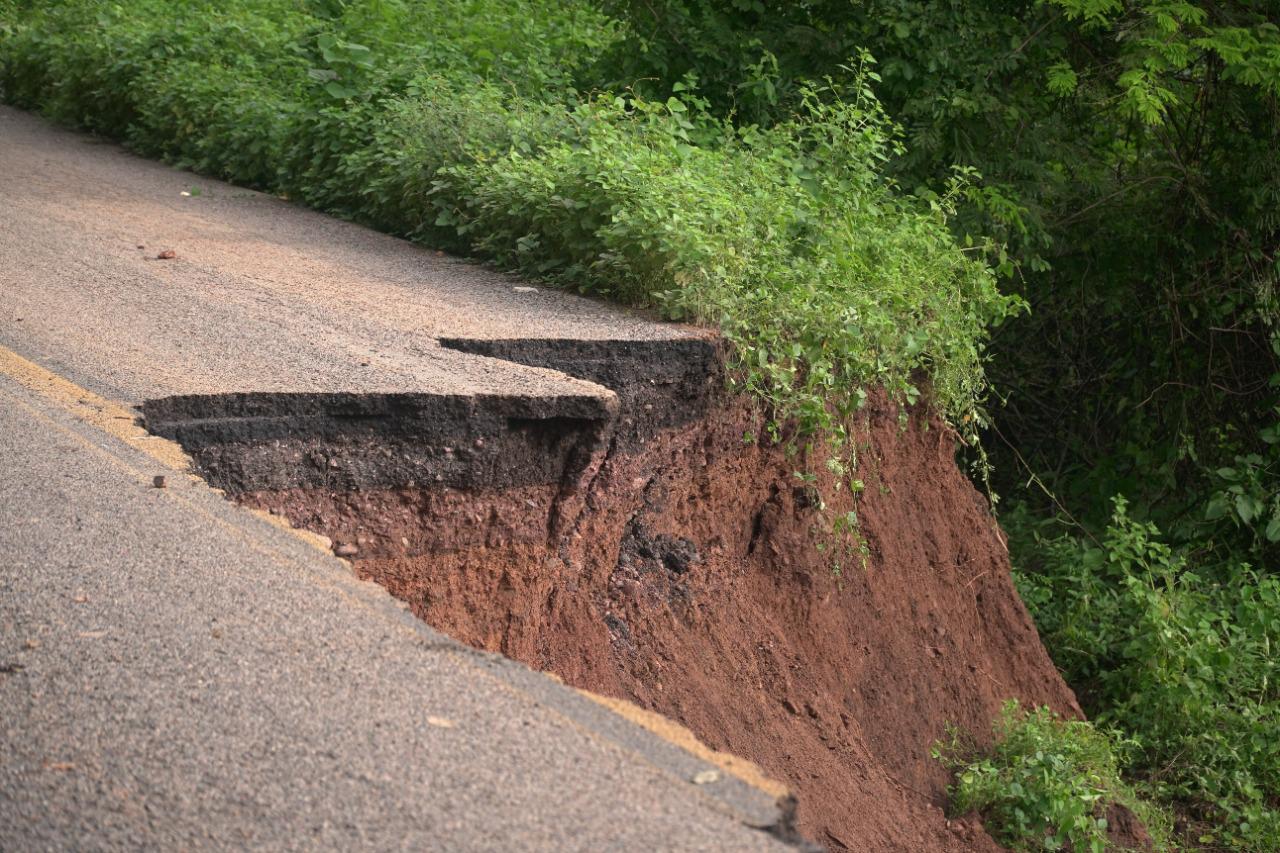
x=1112 y=164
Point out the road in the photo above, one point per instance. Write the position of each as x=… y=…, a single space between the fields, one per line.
x=261 y=294
x=179 y=673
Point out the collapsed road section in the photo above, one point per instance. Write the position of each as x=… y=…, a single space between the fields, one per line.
x=564 y=482
x=545 y=448
x=628 y=539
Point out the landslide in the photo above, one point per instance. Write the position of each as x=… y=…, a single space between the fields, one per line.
x=660 y=558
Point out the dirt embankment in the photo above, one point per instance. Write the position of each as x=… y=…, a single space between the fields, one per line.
x=670 y=563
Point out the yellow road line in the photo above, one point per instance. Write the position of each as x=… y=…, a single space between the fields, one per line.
x=111 y=417
x=678 y=735
x=120 y=422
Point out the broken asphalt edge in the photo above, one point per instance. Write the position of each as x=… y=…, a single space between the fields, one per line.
x=726 y=783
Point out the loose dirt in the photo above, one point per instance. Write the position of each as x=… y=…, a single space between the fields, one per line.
x=697 y=576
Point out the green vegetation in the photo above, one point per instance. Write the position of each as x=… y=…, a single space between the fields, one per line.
x=472 y=126
x=1111 y=163
x=1046 y=784
x=1185 y=660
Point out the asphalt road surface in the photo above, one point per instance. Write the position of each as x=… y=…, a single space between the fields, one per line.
x=261 y=294
x=177 y=673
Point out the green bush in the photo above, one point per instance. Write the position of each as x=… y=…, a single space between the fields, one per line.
x=1184 y=660
x=824 y=277
x=1046 y=784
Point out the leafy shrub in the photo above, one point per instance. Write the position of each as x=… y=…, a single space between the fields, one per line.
x=1046 y=784
x=824 y=277
x=1183 y=659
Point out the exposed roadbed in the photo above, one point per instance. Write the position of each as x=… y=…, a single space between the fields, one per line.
x=176 y=673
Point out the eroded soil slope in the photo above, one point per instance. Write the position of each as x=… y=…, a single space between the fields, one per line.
x=694 y=574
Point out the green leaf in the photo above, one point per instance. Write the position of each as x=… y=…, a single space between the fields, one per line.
x=339 y=91
x=1246 y=508
x=1062 y=79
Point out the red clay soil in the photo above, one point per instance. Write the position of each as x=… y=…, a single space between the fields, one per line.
x=693 y=583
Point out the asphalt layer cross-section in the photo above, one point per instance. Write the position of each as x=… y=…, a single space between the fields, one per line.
x=177 y=673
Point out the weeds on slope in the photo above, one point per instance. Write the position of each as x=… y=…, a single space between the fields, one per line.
x=1047 y=783
x=1183 y=656
x=1180 y=657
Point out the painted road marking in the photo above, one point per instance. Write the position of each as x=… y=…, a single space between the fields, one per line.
x=116 y=420
x=122 y=423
